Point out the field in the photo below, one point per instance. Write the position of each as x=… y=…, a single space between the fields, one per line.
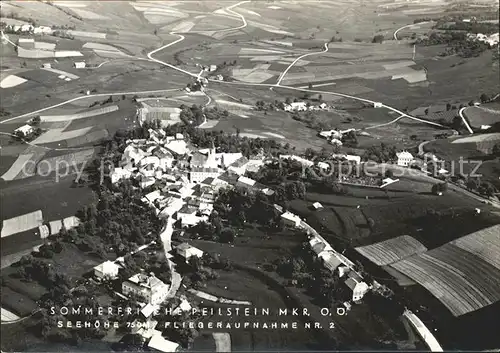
x=460 y=279
x=250 y=254
x=471 y=154
x=403 y=210
x=482 y=115
x=20 y=295
x=391 y=250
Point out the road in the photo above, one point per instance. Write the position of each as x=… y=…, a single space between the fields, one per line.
x=408 y=26
x=461 y=114
x=423 y=331
x=280 y=78
x=421 y=151
x=166 y=239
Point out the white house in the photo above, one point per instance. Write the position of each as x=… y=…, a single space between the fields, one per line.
x=183 y=307
x=405 y=158
x=198 y=174
x=328 y=134
x=192 y=220
x=187 y=251
x=301 y=160
x=336 y=142
x=158 y=343
x=357 y=286
x=24 y=130
x=296 y=106
x=177 y=147
x=80 y=65
x=106 y=270
x=323 y=166
x=213 y=68
x=291 y=219
x=377 y=105
x=147 y=287
x=119 y=174
x=46 y=65
x=246 y=182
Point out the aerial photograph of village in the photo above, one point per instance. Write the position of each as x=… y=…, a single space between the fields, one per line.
x=261 y=175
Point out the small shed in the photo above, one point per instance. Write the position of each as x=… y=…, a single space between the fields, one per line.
x=317 y=206
x=80 y=65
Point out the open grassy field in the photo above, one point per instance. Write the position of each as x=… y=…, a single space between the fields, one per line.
x=450 y=150
x=482 y=115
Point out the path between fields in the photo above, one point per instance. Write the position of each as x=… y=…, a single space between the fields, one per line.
x=280 y=78
x=461 y=114
x=181 y=38
x=408 y=26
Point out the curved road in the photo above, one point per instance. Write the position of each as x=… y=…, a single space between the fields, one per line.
x=461 y=114
x=408 y=26
x=280 y=78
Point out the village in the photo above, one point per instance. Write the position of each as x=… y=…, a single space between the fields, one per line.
x=186 y=181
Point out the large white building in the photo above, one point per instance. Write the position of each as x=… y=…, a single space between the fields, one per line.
x=147 y=287
x=203 y=167
x=291 y=219
x=404 y=158
x=24 y=130
x=296 y=106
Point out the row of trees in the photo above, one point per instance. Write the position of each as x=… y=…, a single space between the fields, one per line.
x=457 y=43
x=192 y=115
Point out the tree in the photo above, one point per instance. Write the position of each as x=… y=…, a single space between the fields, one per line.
x=389 y=173
x=320 y=97
x=439 y=188
x=310 y=85
x=448 y=106
x=227 y=235
x=288 y=100
x=36 y=120
x=484 y=98
x=379 y=38
x=426 y=111
x=496 y=150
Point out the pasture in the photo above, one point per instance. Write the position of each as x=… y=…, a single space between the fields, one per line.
x=482 y=115
x=461 y=280
x=472 y=155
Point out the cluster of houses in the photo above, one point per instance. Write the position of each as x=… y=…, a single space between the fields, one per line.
x=331 y=259
x=303 y=106
x=491 y=40
x=186 y=178
x=28 y=29
x=150 y=292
